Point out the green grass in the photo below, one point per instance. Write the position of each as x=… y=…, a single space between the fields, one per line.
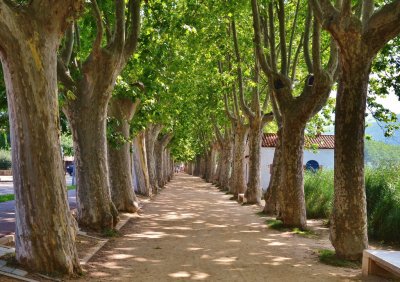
x=275 y=224
x=11 y=260
x=278 y=225
x=10 y=197
x=110 y=233
x=6 y=198
x=261 y=214
x=305 y=233
x=329 y=257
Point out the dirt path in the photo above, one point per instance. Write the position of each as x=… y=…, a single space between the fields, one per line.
x=191 y=231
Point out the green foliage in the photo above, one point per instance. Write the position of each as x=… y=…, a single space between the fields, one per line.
x=114 y=136
x=319 y=193
x=6 y=198
x=329 y=257
x=383 y=199
x=383 y=202
x=4 y=124
x=67 y=144
x=5 y=159
x=385 y=80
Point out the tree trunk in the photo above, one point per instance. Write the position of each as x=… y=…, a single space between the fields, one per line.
x=197 y=166
x=218 y=161
x=271 y=196
x=119 y=156
x=291 y=192
x=45 y=229
x=212 y=163
x=87 y=115
x=140 y=165
x=238 y=185
x=226 y=164
x=96 y=211
x=253 y=192
x=349 y=218
x=151 y=136
x=160 y=156
x=165 y=167
x=189 y=168
x=168 y=169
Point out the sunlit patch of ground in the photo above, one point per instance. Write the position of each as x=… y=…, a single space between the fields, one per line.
x=192 y=231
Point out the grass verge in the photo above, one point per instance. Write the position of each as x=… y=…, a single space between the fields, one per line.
x=111 y=233
x=275 y=224
x=329 y=257
x=6 y=198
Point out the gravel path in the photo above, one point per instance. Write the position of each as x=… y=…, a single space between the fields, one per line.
x=192 y=231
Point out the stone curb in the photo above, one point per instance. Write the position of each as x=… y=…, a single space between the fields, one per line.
x=7 y=239
x=17 y=277
x=99 y=245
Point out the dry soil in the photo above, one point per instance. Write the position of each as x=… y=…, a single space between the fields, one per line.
x=192 y=231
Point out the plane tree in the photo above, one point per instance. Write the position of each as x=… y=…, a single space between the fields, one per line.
x=121 y=109
x=297 y=103
x=361 y=31
x=30 y=33
x=96 y=49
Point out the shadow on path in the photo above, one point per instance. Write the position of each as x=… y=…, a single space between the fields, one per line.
x=191 y=231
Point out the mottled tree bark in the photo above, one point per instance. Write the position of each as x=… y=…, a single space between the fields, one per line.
x=28 y=46
x=226 y=161
x=271 y=196
x=159 y=151
x=87 y=110
x=96 y=210
x=359 y=37
x=349 y=236
x=140 y=165
x=119 y=156
x=253 y=191
x=151 y=136
x=239 y=183
x=217 y=163
x=291 y=192
x=257 y=120
x=169 y=166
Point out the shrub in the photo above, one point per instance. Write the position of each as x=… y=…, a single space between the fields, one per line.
x=383 y=202
x=5 y=159
x=383 y=199
x=318 y=189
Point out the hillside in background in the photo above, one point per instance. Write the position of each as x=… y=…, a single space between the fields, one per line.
x=377 y=152
x=377 y=132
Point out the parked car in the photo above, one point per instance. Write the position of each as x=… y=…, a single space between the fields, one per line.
x=70 y=169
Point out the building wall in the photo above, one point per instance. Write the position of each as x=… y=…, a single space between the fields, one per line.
x=323 y=156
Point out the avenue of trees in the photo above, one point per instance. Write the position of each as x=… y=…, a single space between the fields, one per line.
x=140 y=86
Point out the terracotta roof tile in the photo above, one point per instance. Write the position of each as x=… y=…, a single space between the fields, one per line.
x=322 y=141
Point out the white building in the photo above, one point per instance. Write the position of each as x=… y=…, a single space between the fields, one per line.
x=320 y=158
